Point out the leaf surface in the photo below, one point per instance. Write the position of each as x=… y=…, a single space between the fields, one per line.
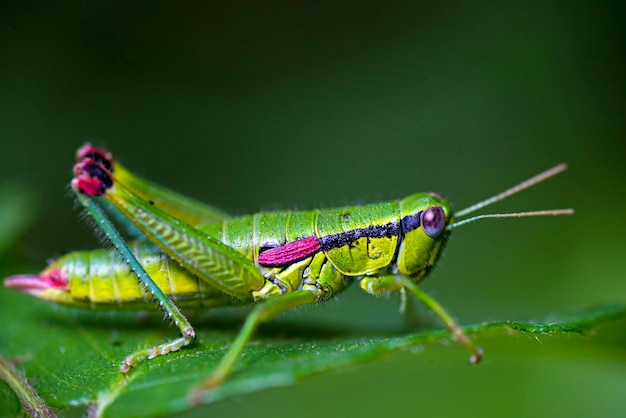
x=73 y=356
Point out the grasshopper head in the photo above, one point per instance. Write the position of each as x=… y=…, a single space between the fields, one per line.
x=425 y=217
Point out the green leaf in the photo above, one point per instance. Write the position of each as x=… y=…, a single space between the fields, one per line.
x=17 y=213
x=74 y=355
x=9 y=402
x=33 y=404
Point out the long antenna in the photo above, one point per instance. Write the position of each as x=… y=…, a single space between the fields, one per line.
x=509 y=192
x=551 y=212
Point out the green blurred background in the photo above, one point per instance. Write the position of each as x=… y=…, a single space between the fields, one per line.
x=293 y=105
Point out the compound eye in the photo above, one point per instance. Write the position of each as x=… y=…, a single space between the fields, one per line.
x=433 y=221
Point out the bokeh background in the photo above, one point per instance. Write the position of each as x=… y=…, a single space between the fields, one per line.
x=298 y=105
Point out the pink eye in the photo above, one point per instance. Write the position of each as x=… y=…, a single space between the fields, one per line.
x=433 y=221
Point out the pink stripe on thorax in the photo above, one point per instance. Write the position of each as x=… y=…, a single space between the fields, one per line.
x=290 y=252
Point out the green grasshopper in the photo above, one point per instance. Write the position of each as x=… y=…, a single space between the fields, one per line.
x=197 y=256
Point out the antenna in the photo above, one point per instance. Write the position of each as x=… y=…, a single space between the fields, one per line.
x=509 y=192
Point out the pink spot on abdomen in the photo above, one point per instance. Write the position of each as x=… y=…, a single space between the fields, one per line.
x=35 y=283
x=290 y=252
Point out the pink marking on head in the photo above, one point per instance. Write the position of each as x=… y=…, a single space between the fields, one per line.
x=289 y=252
x=34 y=284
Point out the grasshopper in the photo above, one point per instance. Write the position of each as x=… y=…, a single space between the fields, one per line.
x=193 y=255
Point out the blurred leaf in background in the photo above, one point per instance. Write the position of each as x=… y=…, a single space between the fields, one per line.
x=18 y=208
